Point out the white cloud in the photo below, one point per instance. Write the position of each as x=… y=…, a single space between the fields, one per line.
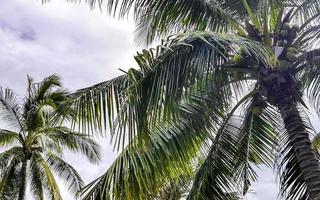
x=84 y=47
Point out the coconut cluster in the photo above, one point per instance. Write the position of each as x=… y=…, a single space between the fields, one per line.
x=287 y=34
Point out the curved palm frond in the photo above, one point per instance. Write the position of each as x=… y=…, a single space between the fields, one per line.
x=255 y=144
x=166 y=74
x=63 y=137
x=214 y=177
x=41 y=99
x=161 y=18
x=8 y=180
x=42 y=88
x=15 y=153
x=240 y=144
x=292 y=184
x=304 y=9
x=10 y=109
x=309 y=74
x=308 y=37
x=50 y=184
x=8 y=137
x=139 y=171
x=66 y=172
x=36 y=180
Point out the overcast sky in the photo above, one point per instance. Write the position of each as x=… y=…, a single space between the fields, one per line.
x=84 y=47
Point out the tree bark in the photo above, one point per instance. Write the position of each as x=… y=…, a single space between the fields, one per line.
x=22 y=184
x=300 y=141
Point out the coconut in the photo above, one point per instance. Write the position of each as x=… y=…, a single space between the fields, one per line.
x=283 y=65
x=242 y=51
x=237 y=58
x=291 y=57
x=292 y=50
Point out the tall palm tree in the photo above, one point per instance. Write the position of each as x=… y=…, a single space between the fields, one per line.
x=33 y=144
x=234 y=86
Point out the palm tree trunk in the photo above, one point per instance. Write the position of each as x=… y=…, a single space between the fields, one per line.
x=23 y=175
x=300 y=141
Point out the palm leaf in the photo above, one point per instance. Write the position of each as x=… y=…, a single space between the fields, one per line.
x=162 y=18
x=9 y=154
x=66 y=172
x=214 y=177
x=63 y=137
x=10 y=109
x=255 y=144
x=9 y=178
x=36 y=180
x=50 y=184
x=8 y=137
x=309 y=75
x=175 y=67
x=139 y=172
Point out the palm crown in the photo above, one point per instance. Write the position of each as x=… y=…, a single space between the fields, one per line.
x=34 y=143
x=233 y=88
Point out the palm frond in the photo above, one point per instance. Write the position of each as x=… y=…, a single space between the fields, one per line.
x=138 y=172
x=66 y=172
x=36 y=180
x=214 y=178
x=304 y=9
x=309 y=76
x=9 y=154
x=9 y=177
x=10 y=110
x=8 y=137
x=175 y=67
x=63 y=137
x=308 y=37
x=256 y=142
x=50 y=184
x=240 y=144
x=42 y=88
x=162 y=18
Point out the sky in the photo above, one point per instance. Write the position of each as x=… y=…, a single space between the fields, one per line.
x=83 y=46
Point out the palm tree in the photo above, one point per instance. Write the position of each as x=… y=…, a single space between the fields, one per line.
x=34 y=142
x=233 y=87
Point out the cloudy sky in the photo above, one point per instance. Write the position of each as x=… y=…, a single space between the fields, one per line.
x=84 y=47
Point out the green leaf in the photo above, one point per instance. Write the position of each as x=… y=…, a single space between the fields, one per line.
x=65 y=172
